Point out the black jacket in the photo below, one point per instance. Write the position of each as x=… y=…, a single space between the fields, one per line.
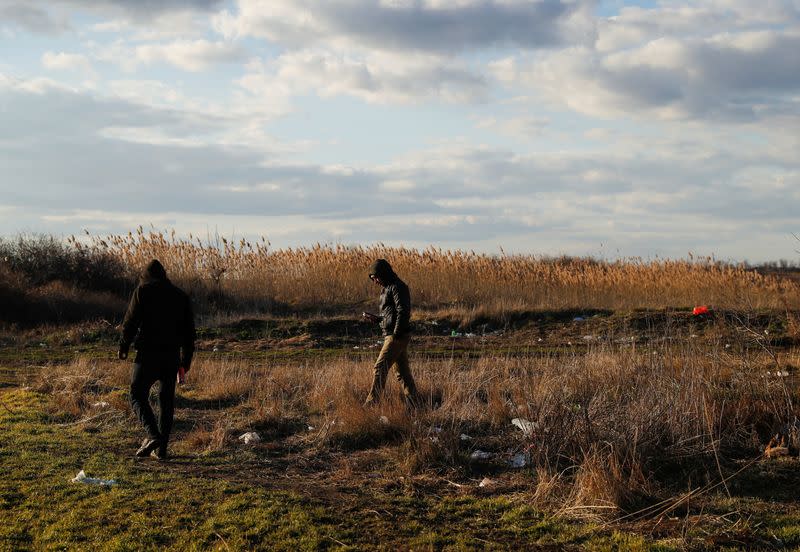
x=159 y=318
x=395 y=303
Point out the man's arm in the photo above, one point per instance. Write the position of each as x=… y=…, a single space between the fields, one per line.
x=371 y=317
x=402 y=305
x=130 y=324
x=189 y=335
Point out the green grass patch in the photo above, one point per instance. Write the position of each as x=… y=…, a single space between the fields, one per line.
x=152 y=508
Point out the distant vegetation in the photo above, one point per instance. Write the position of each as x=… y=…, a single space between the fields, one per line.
x=47 y=280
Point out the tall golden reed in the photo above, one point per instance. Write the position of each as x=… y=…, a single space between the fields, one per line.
x=256 y=275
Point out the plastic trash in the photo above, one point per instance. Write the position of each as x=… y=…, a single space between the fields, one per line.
x=83 y=478
x=519 y=460
x=486 y=482
x=700 y=310
x=465 y=437
x=578 y=319
x=480 y=455
x=250 y=437
x=526 y=426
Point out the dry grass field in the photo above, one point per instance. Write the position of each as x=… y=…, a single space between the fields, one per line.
x=569 y=404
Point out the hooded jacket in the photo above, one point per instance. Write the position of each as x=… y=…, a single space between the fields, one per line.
x=395 y=301
x=159 y=317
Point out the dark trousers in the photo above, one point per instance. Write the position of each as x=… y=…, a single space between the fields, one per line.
x=148 y=368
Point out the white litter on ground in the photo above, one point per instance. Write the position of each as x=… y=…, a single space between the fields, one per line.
x=101 y=404
x=250 y=437
x=526 y=426
x=519 y=460
x=83 y=478
x=486 y=482
x=465 y=437
x=480 y=455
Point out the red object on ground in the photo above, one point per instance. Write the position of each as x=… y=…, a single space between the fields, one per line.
x=181 y=374
x=700 y=310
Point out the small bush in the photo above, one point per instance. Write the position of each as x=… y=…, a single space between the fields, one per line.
x=43 y=259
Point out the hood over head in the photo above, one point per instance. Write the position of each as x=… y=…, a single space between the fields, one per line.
x=154 y=271
x=383 y=270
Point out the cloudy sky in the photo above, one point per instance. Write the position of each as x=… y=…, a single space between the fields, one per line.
x=608 y=128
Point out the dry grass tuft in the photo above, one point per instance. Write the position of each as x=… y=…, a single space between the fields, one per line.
x=210 y=438
x=76 y=387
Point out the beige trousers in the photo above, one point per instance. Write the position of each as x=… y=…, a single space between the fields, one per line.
x=394 y=354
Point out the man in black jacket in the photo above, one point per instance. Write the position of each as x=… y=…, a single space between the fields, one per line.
x=160 y=323
x=395 y=321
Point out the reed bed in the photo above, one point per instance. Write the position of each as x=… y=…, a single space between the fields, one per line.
x=242 y=275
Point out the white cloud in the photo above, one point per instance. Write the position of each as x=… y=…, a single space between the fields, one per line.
x=31 y=17
x=376 y=78
x=188 y=55
x=398 y=185
x=63 y=61
x=638 y=195
x=180 y=25
x=738 y=76
x=521 y=126
x=698 y=149
x=403 y=25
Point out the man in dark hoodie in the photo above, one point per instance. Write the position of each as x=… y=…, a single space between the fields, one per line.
x=160 y=323
x=395 y=321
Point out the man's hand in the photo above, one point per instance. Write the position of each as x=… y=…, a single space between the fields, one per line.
x=123 y=353
x=369 y=317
